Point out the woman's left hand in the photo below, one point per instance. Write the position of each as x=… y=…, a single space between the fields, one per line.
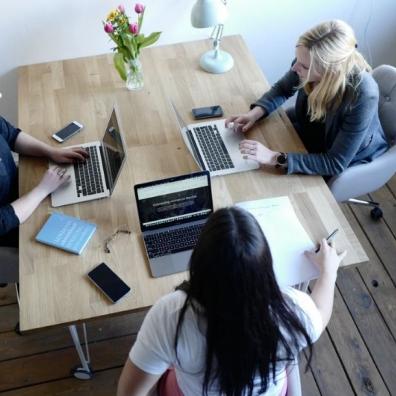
x=254 y=150
x=67 y=156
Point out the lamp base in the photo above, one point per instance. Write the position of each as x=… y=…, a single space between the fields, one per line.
x=216 y=61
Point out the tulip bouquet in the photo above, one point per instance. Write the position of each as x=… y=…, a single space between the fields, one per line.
x=129 y=41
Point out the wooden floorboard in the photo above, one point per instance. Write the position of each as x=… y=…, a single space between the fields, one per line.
x=13 y=345
x=8 y=295
x=355 y=356
x=103 y=384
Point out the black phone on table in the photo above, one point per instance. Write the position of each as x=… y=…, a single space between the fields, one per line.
x=108 y=282
x=207 y=112
x=67 y=132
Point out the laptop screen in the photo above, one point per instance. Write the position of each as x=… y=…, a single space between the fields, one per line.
x=173 y=201
x=113 y=151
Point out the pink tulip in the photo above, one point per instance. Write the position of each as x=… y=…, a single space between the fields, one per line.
x=121 y=8
x=108 y=27
x=139 y=8
x=134 y=28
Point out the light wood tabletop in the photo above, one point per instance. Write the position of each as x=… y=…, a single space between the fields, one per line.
x=54 y=288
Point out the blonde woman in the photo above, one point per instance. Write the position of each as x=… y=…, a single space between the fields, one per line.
x=336 y=110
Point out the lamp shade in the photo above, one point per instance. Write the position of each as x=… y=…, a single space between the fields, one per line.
x=208 y=13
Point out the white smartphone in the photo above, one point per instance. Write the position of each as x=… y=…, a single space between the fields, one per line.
x=108 y=282
x=67 y=132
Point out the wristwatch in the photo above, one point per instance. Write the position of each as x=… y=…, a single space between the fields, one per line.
x=281 y=160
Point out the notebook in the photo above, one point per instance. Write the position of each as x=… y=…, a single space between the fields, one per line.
x=172 y=213
x=214 y=147
x=66 y=232
x=286 y=237
x=96 y=177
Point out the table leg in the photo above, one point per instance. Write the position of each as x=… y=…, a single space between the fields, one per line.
x=84 y=371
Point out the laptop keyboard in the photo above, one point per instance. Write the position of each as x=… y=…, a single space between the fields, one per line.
x=172 y=241
x=88 y=177
x=213 y=148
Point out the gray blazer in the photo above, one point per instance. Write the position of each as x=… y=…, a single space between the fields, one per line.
x=353 y=131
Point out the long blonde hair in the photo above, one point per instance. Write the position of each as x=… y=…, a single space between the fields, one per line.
x=333 y=50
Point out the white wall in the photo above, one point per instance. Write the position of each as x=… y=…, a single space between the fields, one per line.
x=44 y=30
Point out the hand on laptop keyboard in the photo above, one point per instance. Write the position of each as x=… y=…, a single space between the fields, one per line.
x=68 y=155
x=52 y=179
x=251 y=149
x=243 y=122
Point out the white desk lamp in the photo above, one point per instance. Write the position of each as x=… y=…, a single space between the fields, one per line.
x=208 y=13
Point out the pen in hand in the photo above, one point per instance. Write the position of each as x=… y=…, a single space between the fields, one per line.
x=328 y=239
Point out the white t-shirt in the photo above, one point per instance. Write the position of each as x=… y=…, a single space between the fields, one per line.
x=154 y=352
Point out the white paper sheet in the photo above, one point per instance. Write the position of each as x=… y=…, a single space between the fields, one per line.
x=287 y=239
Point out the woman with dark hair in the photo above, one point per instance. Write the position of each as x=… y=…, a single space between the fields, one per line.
x=230 y=330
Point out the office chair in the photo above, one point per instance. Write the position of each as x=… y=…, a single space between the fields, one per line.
x=293 y=379
x=366 y=178
x=9 y=270
x=9 y=260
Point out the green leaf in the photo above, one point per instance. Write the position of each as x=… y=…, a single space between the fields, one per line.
x=139 y=39
x=120 y=65
x=151 y=39
x=125 y=52
x=130 y=45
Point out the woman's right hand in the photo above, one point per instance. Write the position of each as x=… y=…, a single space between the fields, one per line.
x=52 y=179
x=243 y=122
x=327 y=259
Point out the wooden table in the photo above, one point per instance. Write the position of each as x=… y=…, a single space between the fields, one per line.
x=53 y=284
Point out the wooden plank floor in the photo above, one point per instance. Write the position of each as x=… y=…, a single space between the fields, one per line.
x=355 y=356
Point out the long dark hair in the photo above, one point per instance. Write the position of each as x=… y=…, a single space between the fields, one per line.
x=232 y=286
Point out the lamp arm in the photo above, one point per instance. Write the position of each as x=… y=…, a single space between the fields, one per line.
x=216 y=35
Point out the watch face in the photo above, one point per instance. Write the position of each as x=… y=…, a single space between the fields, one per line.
x=281 y=159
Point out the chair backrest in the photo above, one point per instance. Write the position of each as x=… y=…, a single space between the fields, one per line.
x=385 y=76
x=9 y=268
x=293 y=379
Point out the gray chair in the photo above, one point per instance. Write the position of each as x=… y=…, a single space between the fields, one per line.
x=293 y=379
x=9 y=270
x=366 y=178
x=9 y=264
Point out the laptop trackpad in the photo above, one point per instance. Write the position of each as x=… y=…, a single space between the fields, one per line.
x=170 y=264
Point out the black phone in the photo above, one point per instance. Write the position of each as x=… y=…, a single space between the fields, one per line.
x=67 y=132
x=207 y=112
x=108 y=282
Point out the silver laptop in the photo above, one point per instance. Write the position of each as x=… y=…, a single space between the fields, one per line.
x=97 y=176
x=214 y=147
x=172 y=213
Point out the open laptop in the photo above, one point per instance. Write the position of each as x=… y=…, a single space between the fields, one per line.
x=214 y=147
x=172 y=213
x=97 y=176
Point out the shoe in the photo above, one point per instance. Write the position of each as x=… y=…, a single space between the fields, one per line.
x=3 y=284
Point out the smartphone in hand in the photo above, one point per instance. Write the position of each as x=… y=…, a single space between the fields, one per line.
x=67 y=132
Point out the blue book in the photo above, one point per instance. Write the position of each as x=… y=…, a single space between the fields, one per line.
x=66 y=232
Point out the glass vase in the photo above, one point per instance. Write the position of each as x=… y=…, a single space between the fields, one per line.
x=134 y=81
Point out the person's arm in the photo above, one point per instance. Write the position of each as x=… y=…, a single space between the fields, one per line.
x=270 y=101
x=243 y=122
x=322 y=294
x=153 y=351
x=25 y=205
x=28 y=145
x=354 y=129
x=134 y=381
x=279 y=93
